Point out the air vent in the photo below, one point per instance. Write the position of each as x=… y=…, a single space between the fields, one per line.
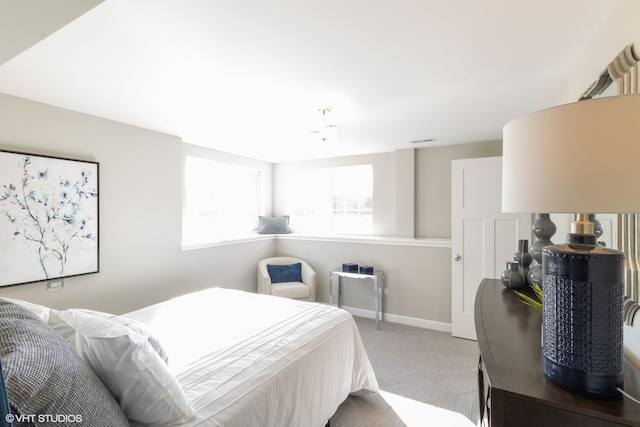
x=423 y=141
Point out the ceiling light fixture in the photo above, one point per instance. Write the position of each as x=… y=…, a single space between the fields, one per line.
x=327 y=129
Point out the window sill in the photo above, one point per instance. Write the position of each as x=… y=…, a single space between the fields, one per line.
x=371 y=240
x=248 y=238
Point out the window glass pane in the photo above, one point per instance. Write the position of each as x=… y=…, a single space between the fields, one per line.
x=352 y=189
x=220 y=200
x=331 y=200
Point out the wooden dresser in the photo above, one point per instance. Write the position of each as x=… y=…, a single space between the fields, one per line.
x=512 y=390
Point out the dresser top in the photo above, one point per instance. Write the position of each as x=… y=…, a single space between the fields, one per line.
x=509 y=339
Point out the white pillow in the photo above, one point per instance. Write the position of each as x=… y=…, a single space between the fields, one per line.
x=133 y=324
x=130 y=368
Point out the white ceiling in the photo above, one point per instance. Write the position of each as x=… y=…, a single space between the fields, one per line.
x=248 y=76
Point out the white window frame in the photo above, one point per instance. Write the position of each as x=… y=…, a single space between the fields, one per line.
x=216 y=206
x=311 y=196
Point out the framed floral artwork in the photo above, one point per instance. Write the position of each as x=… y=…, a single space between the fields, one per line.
x=48 y=218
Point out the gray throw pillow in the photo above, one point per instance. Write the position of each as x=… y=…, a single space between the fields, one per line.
x=274 y=225
x=46 y=377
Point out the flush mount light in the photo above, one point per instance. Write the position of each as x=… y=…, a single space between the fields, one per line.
x=327 y=129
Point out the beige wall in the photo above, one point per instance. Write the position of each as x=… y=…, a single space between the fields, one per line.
x=417 y=278
x=619 y=30
x=410 y=185
x=141 y=260
x=405 y=192
x=433 y=184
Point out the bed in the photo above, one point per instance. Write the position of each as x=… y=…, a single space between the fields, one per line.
x=217 y=357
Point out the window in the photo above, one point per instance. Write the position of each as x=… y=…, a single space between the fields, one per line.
x=221 y=200
x=331 y=200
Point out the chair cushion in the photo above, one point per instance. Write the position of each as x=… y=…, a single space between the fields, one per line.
x=295 y=290
x=279 y=273
x=274 y=225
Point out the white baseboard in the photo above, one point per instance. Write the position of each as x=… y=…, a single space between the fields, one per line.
x=403 y=320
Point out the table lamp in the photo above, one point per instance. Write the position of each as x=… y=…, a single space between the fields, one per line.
x=578 y=158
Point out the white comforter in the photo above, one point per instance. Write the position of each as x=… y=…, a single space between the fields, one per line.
x=247 y=359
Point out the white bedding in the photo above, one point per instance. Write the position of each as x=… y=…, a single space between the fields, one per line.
x=247 y=359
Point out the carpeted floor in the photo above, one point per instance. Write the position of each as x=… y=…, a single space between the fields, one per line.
x=427 y=378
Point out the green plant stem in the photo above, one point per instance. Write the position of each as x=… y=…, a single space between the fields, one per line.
x=535 y=301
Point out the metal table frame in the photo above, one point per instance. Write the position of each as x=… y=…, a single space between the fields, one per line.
x=378 y=289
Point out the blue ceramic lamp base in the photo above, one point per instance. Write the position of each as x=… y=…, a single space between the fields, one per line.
x=583 y=288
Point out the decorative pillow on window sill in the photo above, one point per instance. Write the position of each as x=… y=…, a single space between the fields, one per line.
x=274 y=225
x=285 y=273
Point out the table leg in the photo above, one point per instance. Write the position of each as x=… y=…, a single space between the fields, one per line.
x=376 y=299
x=330 y=288
x=382 y=297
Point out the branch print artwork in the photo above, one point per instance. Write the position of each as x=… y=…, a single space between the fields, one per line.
x=48 y=218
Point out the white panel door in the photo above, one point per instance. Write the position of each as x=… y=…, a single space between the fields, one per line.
x=482 y=237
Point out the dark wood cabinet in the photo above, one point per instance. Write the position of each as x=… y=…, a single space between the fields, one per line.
x=512 y=389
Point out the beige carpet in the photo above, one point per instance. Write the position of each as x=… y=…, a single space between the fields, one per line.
x=427 y=378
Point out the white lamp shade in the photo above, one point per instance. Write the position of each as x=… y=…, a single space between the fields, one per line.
x=579 y=157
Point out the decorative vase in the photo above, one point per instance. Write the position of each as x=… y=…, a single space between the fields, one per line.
x=597 y=227
x=523 y=257
x=582 y=316
x=543 y=228
x=511 y=277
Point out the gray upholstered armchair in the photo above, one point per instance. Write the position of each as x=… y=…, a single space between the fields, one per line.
x=287 y=278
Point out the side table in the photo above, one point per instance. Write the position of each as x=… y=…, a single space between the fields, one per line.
x=378 y=289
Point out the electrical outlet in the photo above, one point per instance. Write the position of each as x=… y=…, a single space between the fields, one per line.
x=386 y=291
x=55 y=285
